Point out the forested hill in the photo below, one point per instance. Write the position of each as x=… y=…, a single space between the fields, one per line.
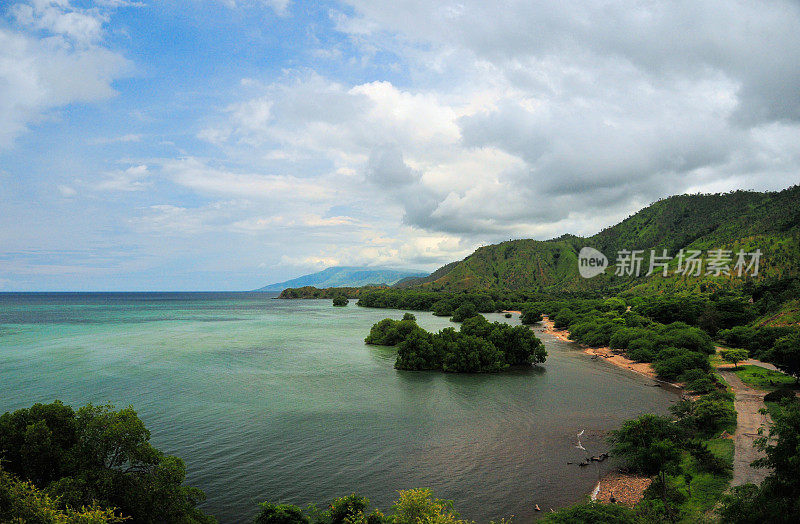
x=744 y=220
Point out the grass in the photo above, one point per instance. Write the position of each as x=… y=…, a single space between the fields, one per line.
x=706 y=488
x=765 y=379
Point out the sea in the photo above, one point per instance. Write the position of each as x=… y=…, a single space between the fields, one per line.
x=280 y=400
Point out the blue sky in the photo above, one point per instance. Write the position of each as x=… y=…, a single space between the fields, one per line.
x=216 y=145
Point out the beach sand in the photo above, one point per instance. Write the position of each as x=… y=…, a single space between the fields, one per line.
x=626 y=489
x=642 y=368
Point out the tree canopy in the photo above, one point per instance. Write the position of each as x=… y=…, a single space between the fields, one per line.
x=97 y=455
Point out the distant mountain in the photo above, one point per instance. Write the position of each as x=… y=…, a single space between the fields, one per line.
x=745 y=220
x=346 y=277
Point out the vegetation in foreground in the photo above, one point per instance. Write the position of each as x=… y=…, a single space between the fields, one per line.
x=58 y=460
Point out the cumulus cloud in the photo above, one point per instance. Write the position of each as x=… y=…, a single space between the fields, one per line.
x=530 y=119
x=67 y=65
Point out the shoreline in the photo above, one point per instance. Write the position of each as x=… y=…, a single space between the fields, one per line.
x=621 y=361
x=625 y=488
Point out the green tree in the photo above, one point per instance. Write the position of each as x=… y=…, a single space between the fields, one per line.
x=340 y=301
x=464 y=311
x=785 y=354
x=591 y=513
x=443 y=308
x=21 y=502
x=280 y=514
x=347 y=510
x=777 y=499
x=649 y=444
x=564 y=318
x=531 y=315
x=734 y=356
x=98 y=454
x=417 y=506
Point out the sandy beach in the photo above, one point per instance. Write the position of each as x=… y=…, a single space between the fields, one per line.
x=624 y=488
x=642 y=368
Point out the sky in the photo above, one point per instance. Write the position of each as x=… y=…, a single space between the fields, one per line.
x=228 y=144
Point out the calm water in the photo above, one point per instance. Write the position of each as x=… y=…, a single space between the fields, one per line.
x=282 y=400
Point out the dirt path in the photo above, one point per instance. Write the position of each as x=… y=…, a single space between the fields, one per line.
x=751 y=362
x=748 y=402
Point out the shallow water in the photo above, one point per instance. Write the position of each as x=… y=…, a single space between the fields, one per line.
x=281 y=400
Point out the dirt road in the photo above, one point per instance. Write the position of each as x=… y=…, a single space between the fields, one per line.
x=748 y=402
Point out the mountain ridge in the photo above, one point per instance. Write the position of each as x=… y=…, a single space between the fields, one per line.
x=748 y=220
x=346 y=276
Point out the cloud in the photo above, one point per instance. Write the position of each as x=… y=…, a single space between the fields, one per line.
x=67 y=65
x=122 y=139
x=194 y=174
x=133 y=178
x=81 y=26
x=386 y=167
x=530 y=120
x=280 y=7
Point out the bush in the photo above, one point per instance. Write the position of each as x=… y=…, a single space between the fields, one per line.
x=780 y=395
x=340 y=301
x=591 y=513
x=670 y=363
x=21 y=502
x=416 y=506
x=390 y=332
x=698 y=381
x=443 y=308
x=280 y=514
x=464 y=311
x=647 y=443
x=531 y=315
x=564 y=318
x=346 y=510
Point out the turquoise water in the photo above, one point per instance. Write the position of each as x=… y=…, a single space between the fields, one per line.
x=282 y=400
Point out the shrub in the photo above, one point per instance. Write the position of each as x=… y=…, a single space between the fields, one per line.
x=340 y=301
x=670 y=363
x=280 y=514
x=780 y=394
x=564 y=318
x=591 y=513
x=443 y=308
x=416 y=506
x=531 y=315
x=464 y=311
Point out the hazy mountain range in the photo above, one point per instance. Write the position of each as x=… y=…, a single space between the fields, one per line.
x=346 y=277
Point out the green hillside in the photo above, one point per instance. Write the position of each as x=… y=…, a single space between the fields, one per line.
x=744 y=220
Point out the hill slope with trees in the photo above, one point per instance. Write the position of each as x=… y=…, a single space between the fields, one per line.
x=745 y=220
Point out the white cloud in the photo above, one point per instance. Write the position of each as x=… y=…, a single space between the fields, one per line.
x=530 y=120
x=122 y=139
x=133 y=178
x=67 y=66
x=281 y=7
x=194 y=174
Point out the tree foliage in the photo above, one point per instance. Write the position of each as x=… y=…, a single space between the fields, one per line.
x=21 y=502
x=340 y=301
x=785 y=354
x=97 y=455
x=734 y=356
x=479 y=347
